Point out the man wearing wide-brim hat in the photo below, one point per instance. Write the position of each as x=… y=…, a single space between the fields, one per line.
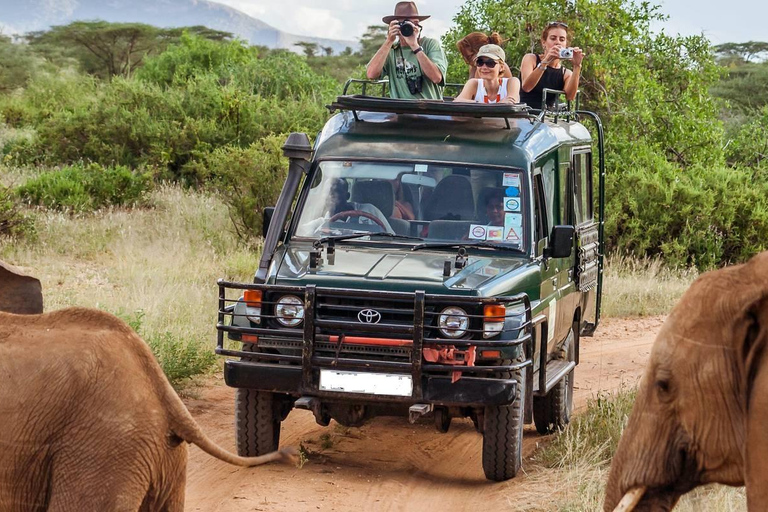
x=415 y=65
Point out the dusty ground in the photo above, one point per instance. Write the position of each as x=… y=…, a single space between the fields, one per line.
x=389 y=465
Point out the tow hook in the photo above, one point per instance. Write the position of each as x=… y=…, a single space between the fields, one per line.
x=313 y=404
x=416 y=411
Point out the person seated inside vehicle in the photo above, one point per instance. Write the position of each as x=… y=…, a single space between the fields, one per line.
x=491 y=207
x=489 y=86
x=341 y=209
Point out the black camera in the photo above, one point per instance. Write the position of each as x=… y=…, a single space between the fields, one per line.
x=406 y=28
x=414 y=84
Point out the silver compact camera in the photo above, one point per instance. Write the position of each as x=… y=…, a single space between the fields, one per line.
x=566 y=53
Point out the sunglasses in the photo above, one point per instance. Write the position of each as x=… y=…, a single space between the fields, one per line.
x=489 y=63
x=557 y=24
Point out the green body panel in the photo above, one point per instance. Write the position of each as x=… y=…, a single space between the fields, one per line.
x=397 y=268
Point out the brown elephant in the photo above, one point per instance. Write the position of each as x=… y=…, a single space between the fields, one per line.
x=88 y=420
x=19 y=293
x=701 y=414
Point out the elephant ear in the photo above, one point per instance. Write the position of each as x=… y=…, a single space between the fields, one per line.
x=755 y=357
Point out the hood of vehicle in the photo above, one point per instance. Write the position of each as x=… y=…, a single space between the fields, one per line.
x=400 y=269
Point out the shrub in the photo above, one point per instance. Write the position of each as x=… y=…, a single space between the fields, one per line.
x=703 y=217
x=86 y=188
x=180 y=360
x=13 y=221
x=249 y=179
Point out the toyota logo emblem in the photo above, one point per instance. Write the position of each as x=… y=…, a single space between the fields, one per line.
x=369 y=316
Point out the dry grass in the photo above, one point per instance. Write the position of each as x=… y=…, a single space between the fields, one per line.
x=634 y=287
x=161 y=263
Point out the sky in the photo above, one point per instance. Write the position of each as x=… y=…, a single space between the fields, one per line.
x=734 y=21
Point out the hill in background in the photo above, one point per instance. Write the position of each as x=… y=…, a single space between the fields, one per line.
x=32 y=15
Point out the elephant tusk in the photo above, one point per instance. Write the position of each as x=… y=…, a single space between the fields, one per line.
x=630 y=500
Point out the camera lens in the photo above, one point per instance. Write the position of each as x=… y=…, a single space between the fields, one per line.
x=406 y=28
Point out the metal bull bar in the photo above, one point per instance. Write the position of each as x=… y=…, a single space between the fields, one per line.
x=315 y=344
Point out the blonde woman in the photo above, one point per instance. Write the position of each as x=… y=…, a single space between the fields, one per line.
x=490 y=86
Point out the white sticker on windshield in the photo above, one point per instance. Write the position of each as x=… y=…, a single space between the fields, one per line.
x=495 y=233
x=511 y=179
x=512 y=204
x=513 y=227
x=420 y=168
x=477 y=232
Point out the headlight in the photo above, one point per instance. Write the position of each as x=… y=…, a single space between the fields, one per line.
x=289 y=310
x=453 y=322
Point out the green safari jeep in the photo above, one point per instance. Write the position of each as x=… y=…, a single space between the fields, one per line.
x=425 y=259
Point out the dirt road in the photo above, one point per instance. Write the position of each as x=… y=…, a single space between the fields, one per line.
x=389 y=465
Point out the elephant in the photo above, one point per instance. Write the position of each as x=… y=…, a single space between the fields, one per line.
x=88 y=420
x=19 y=293
x=701 y=412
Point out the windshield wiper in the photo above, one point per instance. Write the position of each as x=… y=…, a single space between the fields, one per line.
x=477 y=243
x=340 y=238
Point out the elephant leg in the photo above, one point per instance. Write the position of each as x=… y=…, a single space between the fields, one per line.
x=168 y=490
x=80 y=487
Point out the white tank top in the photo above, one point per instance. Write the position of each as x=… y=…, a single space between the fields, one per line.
x=481 y=96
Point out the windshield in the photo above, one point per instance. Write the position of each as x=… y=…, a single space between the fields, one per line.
x=432 y=202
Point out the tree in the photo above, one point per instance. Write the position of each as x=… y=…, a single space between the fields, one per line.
x=646 y=86
x=111 y=49
x=327 y=50
x=735 y=54
x=373 y=37
x=17 y=64
x=310 y=49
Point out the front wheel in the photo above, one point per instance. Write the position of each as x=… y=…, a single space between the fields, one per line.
x=257 y=422
x=503 y=435
x=552 y=412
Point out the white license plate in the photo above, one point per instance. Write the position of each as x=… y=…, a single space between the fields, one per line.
x=393 y=384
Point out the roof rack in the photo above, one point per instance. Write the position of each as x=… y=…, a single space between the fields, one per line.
x=359 y=103
x=382 y=103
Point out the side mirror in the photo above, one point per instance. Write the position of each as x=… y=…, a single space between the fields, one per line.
x=560 y=242
x=266 y=219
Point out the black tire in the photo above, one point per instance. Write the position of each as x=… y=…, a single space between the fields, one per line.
x=257 y=422
x=553 y=411
x=503 y=435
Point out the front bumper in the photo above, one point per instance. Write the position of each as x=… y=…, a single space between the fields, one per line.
x=434 y=389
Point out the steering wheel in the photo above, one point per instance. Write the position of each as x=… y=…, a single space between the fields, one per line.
x=359 y=213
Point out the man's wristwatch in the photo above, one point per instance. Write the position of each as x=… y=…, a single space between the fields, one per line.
x=417 y=50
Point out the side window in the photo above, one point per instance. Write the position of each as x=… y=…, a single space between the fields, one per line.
x=582 y=187
x=549 y=181
x=540 y=208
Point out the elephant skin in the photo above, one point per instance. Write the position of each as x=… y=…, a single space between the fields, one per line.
x=19 y=293
x=701 y=412
x=88 y=420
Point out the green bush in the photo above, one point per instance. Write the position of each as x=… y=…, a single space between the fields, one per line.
x=86 y=187
x=249 y=179
x=180 y=359
x=13 y=221
x=703 y=217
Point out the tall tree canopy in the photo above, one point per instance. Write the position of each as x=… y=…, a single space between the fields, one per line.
x=650 y=88
x=110 y=49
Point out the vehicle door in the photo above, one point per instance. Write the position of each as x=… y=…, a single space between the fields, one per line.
x=546 y=213
x=566 y=267
x=586 y=233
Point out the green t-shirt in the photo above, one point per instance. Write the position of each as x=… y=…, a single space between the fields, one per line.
x=401 y=63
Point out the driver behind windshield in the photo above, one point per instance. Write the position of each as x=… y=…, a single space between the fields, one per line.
x=338 y=205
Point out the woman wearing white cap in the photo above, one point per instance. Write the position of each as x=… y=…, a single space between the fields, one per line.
x=489 y=87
